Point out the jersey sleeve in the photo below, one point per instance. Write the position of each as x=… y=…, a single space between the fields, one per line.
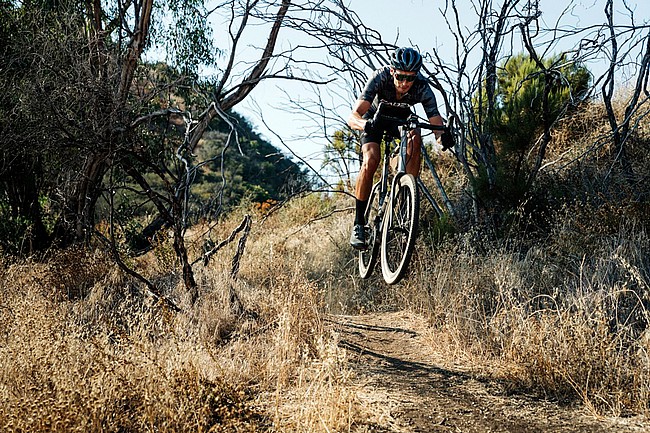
x=429 y=103
x=372 y=87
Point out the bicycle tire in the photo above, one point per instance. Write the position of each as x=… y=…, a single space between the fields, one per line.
x=400 y=228
x=368 y=257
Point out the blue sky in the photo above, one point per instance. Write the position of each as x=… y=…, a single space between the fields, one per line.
x=404 y=22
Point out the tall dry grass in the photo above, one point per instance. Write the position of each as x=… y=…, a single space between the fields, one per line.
x=570 y=324
x=82 y=349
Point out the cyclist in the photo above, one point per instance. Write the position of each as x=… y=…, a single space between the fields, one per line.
x=398 y=82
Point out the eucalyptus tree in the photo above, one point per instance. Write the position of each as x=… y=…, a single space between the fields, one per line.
x=92 y=113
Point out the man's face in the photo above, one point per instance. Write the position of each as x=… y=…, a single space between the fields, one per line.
x=403 y=80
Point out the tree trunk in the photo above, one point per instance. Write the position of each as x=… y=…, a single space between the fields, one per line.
x=78 y=220
x=23 y=195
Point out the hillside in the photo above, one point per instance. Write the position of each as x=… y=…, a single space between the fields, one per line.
x=539 y=326
x=469 y=337
x=165 y=269
x=255 y=170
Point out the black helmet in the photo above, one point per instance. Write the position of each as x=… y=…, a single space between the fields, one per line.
x=406 y=59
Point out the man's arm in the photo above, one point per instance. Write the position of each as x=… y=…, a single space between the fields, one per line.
x=356 y=120
x=437 y=120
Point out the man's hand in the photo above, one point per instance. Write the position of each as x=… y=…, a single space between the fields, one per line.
x=447 y=139
x=369 y=126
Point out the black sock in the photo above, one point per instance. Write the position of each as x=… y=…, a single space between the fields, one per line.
x=359 y=217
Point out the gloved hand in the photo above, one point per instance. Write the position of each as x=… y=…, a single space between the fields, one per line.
x=447 y=139
x=369 y=126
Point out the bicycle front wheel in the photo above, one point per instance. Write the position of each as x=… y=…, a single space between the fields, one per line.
x=400 y=229
x=368 y=257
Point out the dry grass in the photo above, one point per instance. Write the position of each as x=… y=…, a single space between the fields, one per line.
x=573 y=325
x=569 y=313
x=564 y=296
x=109 y=359
x=564 y=314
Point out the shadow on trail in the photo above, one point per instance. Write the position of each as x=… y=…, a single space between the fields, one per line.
x=378 y=328
x=401 y=365
x=426 y=397
x=393 y=356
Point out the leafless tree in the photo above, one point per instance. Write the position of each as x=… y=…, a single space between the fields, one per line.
x=354 y=50
x=235 y=80
x=470 y=80
x=482 y=47
x=346 y=48
x=628 y=45
x=487 y=34
x=173 y=210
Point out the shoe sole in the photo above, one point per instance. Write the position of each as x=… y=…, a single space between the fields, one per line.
x=357 y=247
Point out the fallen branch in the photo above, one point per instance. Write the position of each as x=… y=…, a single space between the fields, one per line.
x=244 y=225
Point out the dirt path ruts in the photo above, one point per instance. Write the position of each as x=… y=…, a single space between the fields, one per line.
x=406 y=387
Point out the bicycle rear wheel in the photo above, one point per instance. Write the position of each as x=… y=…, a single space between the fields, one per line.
x=400 y=229
x=368 y=257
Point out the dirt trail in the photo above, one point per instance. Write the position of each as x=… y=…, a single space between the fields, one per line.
x=408 y=388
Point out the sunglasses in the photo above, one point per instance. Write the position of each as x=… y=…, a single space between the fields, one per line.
x=404 y=77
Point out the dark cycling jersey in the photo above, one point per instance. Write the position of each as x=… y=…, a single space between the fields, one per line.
x=381 y=87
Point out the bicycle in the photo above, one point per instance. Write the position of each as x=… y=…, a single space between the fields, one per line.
x=393 y=207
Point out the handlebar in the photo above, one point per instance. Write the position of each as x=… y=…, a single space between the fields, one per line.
x=411 y=122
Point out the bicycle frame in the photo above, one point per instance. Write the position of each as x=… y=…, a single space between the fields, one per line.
x=388 y=150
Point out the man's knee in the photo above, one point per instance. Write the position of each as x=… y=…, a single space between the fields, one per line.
x=372 y=162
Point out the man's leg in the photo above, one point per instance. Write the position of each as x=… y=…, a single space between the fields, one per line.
x=413 y=153
x=371 y=157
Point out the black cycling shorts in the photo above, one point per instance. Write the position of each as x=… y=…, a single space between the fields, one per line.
x=377 y=133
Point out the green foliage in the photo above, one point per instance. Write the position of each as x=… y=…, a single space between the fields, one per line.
x=519 y=98
x=252 y=169
x=182 y=31
x=11 y=230
x=518 y=118
x=340 y=153
x=435 y=230
x=59 y=115
x=53 y=108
